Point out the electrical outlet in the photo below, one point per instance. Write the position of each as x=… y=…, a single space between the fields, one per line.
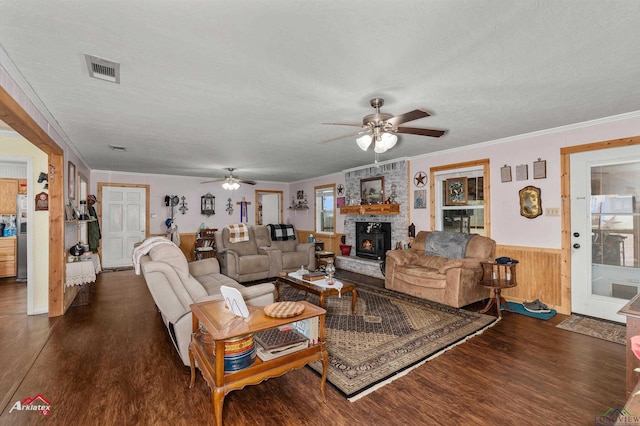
x=552 y=211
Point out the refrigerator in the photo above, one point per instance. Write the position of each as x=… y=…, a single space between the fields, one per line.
x=21 y=237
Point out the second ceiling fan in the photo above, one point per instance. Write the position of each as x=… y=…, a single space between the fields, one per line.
x=380 y=127
x=231 y=182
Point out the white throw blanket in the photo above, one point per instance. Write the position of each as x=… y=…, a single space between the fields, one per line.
x=145 y=247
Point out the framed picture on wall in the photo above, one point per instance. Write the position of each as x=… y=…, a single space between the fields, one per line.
x=340 y=201
x=505 y=173
x=456 y=191
x=372 y=190
x=420 y=199
x=71 y=187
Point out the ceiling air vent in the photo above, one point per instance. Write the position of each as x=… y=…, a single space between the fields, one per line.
x=103 y=69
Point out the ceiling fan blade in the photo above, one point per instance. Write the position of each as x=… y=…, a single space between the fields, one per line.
x=215 y=180
x=248 y=182
x=346 y=136
x=408 y=116
x=421 y=132
x=343 y=124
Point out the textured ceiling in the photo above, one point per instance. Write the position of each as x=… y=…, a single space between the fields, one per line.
x=207 y=85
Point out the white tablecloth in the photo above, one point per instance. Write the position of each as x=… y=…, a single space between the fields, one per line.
x=84 y=271
x=320 y=283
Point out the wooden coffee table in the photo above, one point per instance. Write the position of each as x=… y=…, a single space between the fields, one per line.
x=312 y=288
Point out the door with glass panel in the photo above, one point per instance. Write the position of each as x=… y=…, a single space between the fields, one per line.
x=605 y=231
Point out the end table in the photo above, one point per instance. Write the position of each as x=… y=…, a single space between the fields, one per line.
x=323 y=256
x=497 y=276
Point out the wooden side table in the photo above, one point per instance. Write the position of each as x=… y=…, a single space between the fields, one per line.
x=498 y=276
x=322 y=257
x=220 y=324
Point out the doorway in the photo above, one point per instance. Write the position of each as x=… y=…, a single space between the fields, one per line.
x=269 y=208
x=605 y=230
x=122 y=212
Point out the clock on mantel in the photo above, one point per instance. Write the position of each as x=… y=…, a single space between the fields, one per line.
x=371 y=209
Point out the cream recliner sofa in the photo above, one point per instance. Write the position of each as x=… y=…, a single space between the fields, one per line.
x=175 y=284
x=260 y=257
x=451 y=281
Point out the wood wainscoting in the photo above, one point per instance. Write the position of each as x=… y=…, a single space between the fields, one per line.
x=538 y=276
x=331 y=241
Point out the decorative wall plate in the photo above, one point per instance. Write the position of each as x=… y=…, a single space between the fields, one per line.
x=420 y=179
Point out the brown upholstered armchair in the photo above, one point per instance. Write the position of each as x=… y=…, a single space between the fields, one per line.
x=447 y=280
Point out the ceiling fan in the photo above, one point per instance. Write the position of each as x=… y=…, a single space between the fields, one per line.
x=231 y=182
x=380 y=127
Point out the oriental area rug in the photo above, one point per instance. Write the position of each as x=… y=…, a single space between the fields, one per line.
x=602 y=329
x=390 y=334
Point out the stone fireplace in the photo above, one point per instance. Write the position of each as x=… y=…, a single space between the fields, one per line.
x=373 y=239
x=395 y=173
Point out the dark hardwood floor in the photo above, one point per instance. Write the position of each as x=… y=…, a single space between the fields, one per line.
x=111 y=363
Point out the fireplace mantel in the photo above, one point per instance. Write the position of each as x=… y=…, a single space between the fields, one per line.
x=371 y=209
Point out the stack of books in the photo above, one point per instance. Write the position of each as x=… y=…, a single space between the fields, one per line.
x=277 y=342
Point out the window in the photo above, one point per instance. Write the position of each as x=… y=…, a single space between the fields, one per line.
x=461 y=204
x=325 y=209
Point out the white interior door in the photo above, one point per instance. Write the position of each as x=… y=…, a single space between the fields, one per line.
x=270 y=208
x=605 y=229
x=123 y=224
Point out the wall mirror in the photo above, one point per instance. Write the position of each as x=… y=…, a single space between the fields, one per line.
x=530 y=202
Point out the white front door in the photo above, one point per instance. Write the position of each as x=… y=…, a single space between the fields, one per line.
x=123 y=224
x=605 y=231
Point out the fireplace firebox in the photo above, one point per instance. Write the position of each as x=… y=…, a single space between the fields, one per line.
x=373 y=239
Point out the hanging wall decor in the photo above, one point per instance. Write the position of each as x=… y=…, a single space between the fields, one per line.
x=42 y=201
x=522 y=172
x=540 y=169
x=229 y=208
x=208 y=204
x=420 y=179
x=505 y=173
x=183 y=205
x=530 y=202
x=456 y=191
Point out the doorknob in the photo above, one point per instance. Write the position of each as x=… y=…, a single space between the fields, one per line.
x=576 y=246
x=576 y=234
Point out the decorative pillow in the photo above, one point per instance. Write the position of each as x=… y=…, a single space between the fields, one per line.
x=282 y=232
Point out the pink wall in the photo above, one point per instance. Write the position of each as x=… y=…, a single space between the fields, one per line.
x=507 y=226
x=304 y=219
x=192 y=189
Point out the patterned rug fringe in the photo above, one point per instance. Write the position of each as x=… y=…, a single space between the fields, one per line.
x=413 y=367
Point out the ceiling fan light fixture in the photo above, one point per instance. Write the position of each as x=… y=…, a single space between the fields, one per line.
x=364 y=142
x=388 y=140
x=385 y=142
x=230 y=185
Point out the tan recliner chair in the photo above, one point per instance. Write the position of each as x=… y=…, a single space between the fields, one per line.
x=450 y=281
x=175 y=284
